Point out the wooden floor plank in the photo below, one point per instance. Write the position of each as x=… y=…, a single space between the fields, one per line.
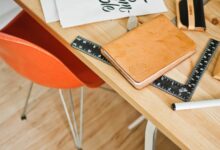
x=107 y=116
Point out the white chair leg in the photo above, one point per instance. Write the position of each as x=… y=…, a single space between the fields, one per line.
x=23 y=115
x=73 y=116
x=77 y=137
x=81 y=116
x=136 y=123
x=150 y=136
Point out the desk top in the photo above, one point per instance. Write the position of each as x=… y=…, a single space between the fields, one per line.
x=191 y=129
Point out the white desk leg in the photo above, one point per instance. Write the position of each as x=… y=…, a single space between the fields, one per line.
x=136 y=123
x=150 y=136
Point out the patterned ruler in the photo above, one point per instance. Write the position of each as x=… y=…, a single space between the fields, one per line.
x=179 y=90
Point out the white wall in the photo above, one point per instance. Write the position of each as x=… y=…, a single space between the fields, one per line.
x=8 y=10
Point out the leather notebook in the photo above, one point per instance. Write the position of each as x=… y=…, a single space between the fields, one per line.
x=216 y=72
x=150 y=50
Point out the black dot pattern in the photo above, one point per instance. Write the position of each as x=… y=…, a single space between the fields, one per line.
x=185 y=91
x=182 y=91
x=89 y=48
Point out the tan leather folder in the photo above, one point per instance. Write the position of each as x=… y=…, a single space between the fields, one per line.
x=216 y=72
x=147 y=52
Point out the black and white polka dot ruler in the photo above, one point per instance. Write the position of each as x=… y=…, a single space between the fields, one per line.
x=89 y=48
x=179 y=90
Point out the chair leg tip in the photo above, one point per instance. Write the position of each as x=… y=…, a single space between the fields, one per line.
x=23 y=117
x=79 y=148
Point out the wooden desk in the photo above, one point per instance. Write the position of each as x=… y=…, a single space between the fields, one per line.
x=192 y=129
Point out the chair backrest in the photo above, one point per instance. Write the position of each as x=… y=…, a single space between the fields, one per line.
x=35 y=63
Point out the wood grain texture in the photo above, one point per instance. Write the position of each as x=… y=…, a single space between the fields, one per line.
x=193 y=129
x=191 y=14
x=216 y=73
x=147 y=52
x=107 y=116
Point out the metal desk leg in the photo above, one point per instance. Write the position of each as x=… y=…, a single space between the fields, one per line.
x=136 y=123
x=150 y=136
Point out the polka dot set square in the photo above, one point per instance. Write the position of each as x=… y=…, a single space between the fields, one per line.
x=182 y=91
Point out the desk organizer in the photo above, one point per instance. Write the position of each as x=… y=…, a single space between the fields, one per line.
x=190 y=15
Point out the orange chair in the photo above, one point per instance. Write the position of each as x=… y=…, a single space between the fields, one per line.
x=38 y=56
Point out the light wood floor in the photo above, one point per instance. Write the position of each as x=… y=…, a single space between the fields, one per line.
x=107 y=116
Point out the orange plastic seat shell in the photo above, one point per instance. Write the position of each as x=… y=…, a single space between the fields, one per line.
x=36 y=64
x=29 y=39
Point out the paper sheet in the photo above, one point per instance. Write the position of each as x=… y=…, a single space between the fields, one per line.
x=79 y=12
x=50 y=10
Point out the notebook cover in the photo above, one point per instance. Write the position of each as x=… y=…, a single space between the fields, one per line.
x=147 y=52
x=216 y=73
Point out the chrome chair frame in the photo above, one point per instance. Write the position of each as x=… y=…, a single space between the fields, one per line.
x=77 y=133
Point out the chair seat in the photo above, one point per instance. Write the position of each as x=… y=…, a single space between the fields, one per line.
x=25 y=27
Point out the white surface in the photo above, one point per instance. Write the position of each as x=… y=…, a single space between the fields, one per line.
x=132 y=23
x=68 y=118
x=150 y=136
x=136 y=123
x=8 y=10
x=196 y=105
x=49 y=10
x=79 y=12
